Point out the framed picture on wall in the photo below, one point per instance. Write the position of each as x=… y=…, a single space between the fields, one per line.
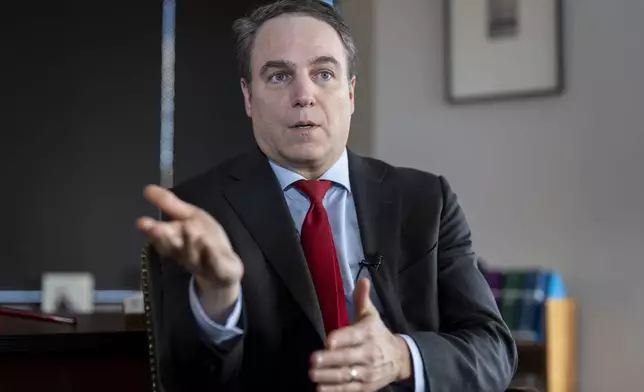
x=503 y=49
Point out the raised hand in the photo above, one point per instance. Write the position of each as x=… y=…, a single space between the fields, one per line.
x=199 y=243
x=364 y=356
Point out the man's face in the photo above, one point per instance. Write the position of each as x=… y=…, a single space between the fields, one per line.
x=300 y=99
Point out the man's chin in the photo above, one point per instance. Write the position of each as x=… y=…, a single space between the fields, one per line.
x=305 y=160
x=308 y=154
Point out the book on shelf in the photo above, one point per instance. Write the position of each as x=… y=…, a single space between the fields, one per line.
x=521 y=295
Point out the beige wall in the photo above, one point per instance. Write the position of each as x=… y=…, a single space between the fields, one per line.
x=555 y=182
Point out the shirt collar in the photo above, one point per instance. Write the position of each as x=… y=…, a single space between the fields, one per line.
x=338 y=173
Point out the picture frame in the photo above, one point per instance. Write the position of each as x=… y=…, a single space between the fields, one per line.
x=67 y=292
x=503 y=49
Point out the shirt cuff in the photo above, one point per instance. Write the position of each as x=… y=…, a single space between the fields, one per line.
x=417 y=364
x=215 y=332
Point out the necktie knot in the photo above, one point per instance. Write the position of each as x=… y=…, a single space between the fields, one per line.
x=314 y=189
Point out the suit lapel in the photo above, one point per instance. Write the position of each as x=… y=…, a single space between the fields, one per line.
x=258 y=200
x=377 y=209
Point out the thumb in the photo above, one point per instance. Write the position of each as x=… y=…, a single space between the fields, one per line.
x=363 y=305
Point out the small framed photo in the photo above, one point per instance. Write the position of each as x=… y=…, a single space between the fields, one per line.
x=67 y=293
x=503 y=49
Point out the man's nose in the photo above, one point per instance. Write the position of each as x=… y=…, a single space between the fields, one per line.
x=303 y=94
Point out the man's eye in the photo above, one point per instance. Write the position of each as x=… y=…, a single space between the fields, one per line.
x=325 y=75
x=279 y=77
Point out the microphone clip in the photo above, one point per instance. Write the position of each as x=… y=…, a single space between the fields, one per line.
x=373 y=261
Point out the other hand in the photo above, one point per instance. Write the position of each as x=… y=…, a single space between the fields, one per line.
x=364 y=356
x=199 y=243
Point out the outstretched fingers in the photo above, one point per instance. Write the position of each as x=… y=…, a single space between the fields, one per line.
x=169 y=203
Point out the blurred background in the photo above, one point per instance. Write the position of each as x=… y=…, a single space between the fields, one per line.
x=535 y=116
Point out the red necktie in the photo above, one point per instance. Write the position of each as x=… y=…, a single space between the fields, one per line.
x=319 y=249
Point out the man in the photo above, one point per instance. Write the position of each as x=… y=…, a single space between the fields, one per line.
x=303 y=265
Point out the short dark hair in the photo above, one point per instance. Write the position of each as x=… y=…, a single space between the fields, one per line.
x=245 y=29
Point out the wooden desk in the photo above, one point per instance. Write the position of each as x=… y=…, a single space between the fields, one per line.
x=103 y=352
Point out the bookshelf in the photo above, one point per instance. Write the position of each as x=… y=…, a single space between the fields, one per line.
x=542 y=317
x=551 y=365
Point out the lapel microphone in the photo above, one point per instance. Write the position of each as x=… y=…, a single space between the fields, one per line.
x=369 y=261
x=372 y=261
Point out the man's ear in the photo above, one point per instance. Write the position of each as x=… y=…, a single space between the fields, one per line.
x=245 y=86
x=352 y=92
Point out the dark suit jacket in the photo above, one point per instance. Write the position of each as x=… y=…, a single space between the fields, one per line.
x=428 y=282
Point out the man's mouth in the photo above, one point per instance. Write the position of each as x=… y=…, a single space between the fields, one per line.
x=303 y=125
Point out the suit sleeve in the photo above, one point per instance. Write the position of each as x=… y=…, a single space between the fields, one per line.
x=188 y=358
x=474 y=349
x=417 y=368
x=216 y=333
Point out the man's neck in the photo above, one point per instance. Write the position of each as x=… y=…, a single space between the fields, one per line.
x=310 y=171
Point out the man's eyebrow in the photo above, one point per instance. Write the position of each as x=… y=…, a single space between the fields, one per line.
x=275 y=64
x=285 y=64
x=325 y=60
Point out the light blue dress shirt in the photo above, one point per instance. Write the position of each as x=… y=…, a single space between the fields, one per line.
x=340 y=207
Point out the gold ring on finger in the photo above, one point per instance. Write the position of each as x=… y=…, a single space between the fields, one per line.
x=353 y=374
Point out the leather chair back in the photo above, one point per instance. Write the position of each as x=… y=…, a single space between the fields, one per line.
x=152 y=298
